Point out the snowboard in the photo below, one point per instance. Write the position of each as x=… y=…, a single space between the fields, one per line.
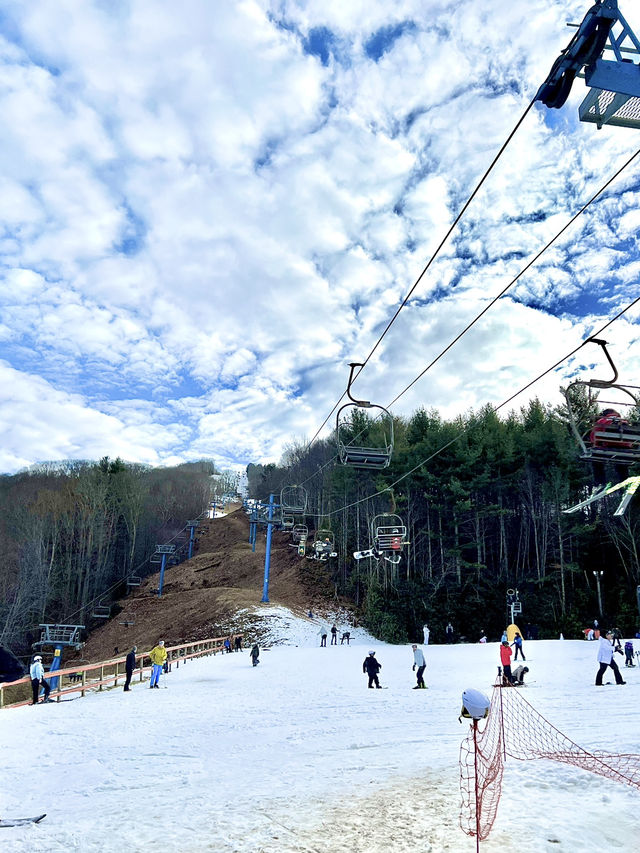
x=21 y=821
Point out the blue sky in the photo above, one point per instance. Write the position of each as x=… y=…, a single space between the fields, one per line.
x=208 y=209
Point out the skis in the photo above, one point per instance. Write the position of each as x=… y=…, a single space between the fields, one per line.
x=630 y=485
x=21 y=821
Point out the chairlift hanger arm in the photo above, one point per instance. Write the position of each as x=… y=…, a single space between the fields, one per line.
x=365 y=404
x=603 y=383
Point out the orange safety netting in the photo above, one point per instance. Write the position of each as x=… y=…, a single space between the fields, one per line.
x=515 y=729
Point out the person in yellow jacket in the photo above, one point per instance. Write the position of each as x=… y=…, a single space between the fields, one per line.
x=158 y=655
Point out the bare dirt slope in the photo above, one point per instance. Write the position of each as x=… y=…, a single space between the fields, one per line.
x=202 y=596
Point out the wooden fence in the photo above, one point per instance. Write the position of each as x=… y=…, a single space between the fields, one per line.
x=93 y=677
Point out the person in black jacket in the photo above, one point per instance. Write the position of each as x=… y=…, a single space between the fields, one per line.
x=129 y=666
x=372 y=668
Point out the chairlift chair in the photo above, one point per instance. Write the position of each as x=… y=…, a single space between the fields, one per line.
x=299 y=532
x=388 y=537
x=358 y=456
x=134 y=580
x=287 y=521
x=101 y=611
x=323 y=545
x=617 y=441
x=293 y=500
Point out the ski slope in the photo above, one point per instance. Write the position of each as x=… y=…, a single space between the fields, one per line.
x=297 y=754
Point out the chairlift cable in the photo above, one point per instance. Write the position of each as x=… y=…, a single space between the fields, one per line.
x=548 y=245
x=495 y=408
x=433 y=256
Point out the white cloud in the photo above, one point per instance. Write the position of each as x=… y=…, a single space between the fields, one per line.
x=201 y=223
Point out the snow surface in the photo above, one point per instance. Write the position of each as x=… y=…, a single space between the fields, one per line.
x=297 y=754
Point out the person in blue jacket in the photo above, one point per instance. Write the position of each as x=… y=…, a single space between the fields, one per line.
x=517 y=642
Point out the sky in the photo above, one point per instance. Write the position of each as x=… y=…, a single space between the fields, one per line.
x=209 y=209
x=296 y=755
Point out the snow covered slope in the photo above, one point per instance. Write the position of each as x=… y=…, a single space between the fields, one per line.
x=297 y=754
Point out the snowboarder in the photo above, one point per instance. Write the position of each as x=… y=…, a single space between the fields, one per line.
x=372 y=667
x=36 y=672
x=517 y=642
x=346 y=636
x=334 y=635
x=322 y=633
x=449 y=632
x=519 y=674
x=505 y=660
x=605 y=659
x=628 y=654
x=158 y=655
x=419 y=661
x=255 y=655
x=129 y=666
x=425 y=630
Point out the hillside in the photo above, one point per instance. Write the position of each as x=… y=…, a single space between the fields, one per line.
x=215 y=592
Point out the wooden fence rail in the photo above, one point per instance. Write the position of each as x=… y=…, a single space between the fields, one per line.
x=95 y=676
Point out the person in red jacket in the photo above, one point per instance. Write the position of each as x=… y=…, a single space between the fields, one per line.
x=608 y=418
x=505 y=660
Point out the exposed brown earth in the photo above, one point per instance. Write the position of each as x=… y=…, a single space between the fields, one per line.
x=202 y=596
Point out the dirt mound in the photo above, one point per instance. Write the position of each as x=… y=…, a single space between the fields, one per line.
x=201 y=597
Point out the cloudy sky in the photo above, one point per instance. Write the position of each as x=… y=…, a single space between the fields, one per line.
x=209 y=208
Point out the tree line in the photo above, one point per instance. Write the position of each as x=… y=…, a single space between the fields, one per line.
x=482 y=498
x=71 y=533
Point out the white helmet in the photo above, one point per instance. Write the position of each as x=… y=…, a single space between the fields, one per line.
x=37 y=658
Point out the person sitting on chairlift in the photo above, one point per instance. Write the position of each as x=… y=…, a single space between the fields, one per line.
x=608 y=418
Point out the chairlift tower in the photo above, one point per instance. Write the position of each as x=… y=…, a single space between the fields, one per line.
x=513 y=603
x=59 y=637
x=164 y=551
x=192 y=526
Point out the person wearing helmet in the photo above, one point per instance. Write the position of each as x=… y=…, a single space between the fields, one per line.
x=38 y=681
x=505 y=660
x=606 y=649
x=609 y=419
x=372 y=667
x=518 y=674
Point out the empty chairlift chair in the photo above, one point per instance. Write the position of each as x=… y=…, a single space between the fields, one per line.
x=293 y=500
x=377 y=451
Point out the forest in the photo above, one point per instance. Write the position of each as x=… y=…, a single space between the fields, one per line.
x=482 y=499
x=71 y=533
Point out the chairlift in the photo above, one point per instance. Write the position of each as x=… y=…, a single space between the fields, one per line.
x=388 y=536
x=101 y=611
x=134 y=580
x=128 y=621
x=358 y=456
x=287 y=521
x=293 y=500
x=611 y=438
x=323 y=545
x=299 y=533
x=614 y=96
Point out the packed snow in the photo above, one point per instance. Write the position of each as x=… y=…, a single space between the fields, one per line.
x=297 y=755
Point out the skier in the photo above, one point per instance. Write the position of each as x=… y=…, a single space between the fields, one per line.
x=36 y=671
x=449 y=632
x=628 y=654
x=158 y=655
x=346 y=636
x=255 y=654
x=334 y=635
x=505 y=660
x=517 y=642
x=237 y=643
x=129 y=666
x=425 y=631
x=419 y=661
x=322 y=633
x=372 y=668
x=605 y=659
x=519 y=673
x=504 y=638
